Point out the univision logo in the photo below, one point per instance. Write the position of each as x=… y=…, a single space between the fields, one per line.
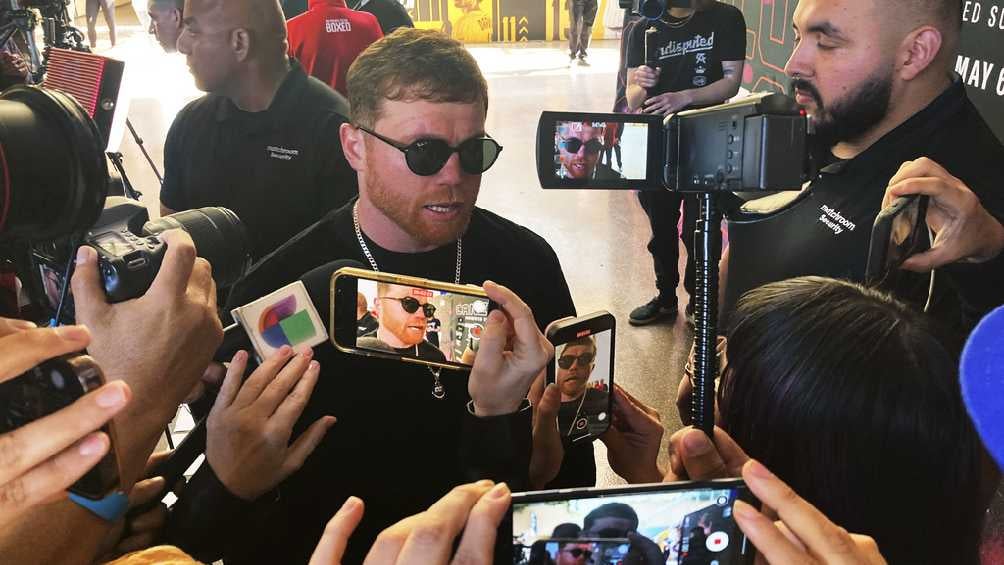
x=283 y=324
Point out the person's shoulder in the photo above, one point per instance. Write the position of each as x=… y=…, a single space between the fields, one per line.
x=203 y=107
x=312 y=247
x=721 y=8
x=506 y=234
x=320 y=99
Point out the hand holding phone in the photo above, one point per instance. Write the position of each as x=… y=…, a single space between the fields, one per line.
x=898 y=233
x=512 y=354
x=54 y=418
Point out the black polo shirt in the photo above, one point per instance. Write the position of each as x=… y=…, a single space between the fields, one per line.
x=280 y=169
x=826 y=231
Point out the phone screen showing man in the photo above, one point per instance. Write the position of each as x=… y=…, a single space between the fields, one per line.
x=582 y=372
x=422 y=323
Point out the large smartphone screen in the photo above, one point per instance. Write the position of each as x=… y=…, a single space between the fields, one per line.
x=605 y=151
x=665 y=525
x=411 y=322
x=583 y=368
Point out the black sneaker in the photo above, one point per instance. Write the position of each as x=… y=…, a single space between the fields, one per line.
x=653 y=311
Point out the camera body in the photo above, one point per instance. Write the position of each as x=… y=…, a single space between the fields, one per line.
x=758 y=143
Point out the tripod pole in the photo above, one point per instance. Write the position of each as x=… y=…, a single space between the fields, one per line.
x=707 y=251
x=142 y=148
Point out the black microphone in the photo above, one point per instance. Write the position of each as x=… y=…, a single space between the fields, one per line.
x=318 y=284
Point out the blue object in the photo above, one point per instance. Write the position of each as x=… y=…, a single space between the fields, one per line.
x=109 y=508
x=982 y=376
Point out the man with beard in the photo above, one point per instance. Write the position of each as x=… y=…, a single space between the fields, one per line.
x=403 y=317
x=580 y=404
x=579 y=146
x=405 y=434
x=698 y=62
x=876 y=78
x=263 y=140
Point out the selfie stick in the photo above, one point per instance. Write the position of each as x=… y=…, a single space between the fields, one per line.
x=707 y=253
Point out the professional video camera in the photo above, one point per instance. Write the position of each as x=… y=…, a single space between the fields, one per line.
x=757 y=143
x=54 y=198
x=18 y=20
x=753 y=144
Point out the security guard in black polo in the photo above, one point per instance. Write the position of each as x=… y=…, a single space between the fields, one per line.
x=264 y=140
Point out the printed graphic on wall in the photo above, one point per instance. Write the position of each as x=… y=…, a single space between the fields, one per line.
x=481 y=21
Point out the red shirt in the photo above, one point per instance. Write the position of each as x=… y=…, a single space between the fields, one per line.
x=328 y=37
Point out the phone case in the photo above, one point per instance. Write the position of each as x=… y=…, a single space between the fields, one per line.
x=592 y=415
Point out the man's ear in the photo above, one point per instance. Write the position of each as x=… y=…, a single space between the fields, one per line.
x=353 y=146
x=240 y=43
x=918 y=50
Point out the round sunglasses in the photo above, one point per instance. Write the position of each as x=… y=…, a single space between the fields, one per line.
x=426 y=157
x=573 y=144
x=411 y=305
x=577 y=552
x=566 y=361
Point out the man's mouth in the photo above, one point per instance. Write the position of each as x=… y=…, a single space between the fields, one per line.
x=445 y=209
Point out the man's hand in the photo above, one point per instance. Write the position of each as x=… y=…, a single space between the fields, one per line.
x=693 y=456
x=803 y=535
x=249 y=426
x=634 y=439
x=474 y=509
x=40 y=460
x=667 y=103
x=646 y=77
x=159 y=343
x=964 y=230
x=548 y=450
x=502 y=375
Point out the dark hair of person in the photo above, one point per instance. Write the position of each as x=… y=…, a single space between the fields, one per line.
x=413 y=64
x=851 y=398
x=611 y=510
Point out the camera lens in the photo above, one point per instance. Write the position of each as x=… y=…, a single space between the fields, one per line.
x=53 y=176
x=219 y=237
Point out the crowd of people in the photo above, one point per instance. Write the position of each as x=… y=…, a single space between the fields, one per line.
x=849 y=395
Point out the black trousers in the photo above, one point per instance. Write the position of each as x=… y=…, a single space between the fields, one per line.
x=663 y=210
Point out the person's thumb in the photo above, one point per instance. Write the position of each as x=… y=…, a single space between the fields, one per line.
x=88 y=293
x=493 y=338
x=550 y=402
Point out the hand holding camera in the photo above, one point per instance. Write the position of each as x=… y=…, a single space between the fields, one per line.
x=511 y=355
x=159 y=343
x=692 y=455
x=41 y=459
x=646 y=77
x=634 y=439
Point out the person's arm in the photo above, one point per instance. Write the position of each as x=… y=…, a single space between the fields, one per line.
x=499 y=382
x=159 y=344
x=172 y=198
x=714 y=93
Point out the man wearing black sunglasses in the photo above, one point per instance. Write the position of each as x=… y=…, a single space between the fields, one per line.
x=579 y=147
x=580 y=404
x=403 y=314
x=405 y=436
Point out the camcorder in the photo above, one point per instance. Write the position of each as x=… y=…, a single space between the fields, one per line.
x=55 y=198
x=758 y=143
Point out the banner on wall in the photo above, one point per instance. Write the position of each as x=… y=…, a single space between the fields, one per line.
x=980 y=62
x=481 y=21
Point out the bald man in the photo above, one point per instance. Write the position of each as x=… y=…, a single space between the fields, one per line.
x=264 y=139
x=876 y=77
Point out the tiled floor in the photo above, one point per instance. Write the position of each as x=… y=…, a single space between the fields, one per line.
x=599 y=236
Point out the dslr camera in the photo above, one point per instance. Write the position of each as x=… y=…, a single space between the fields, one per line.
x=55 y=186
x=758 y=143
